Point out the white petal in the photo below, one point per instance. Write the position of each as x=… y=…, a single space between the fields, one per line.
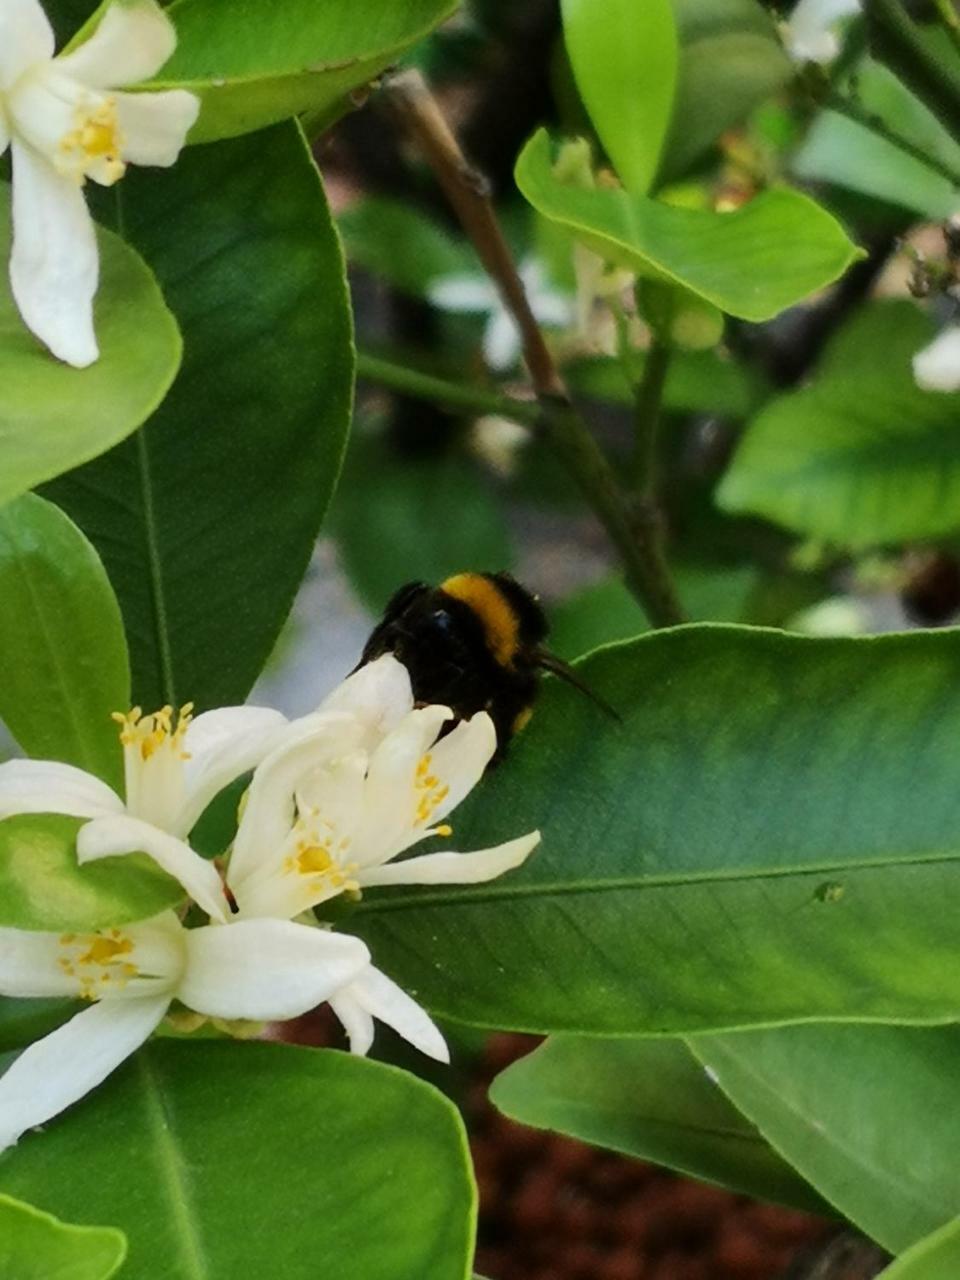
x=809 y=35
x=46 y=786
x=463 y=293
x=222 y=746
x=937 y=366
x=459 y=759
x=454 y=868
x=266 y=969
x=26 y=38
x=4 y=136
x=501 y=341
x=154 y=126
x=114 y=836
x=269 y=811
x=390 y=797
x=29 y=965
x=357 y=1023
x=382 y=998
x=131 y=44
x=61 y=1068
x=54 y=266
x=379 y=695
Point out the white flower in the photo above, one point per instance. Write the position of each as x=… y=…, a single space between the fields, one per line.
x=332 y=807
x=810 y=34
x=173 y=769
x=937 y=366
x=65 y=123
x=474 y=295
x=256 y=969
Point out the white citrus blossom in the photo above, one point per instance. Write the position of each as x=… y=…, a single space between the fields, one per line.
x=810 y=34
x=257 y=969
x=331 y=808
x=66 y=123
x=475 y=295
x=173 y=767
x=937 y=366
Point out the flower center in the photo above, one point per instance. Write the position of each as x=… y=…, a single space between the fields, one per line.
x=153 y=759
x=91 y=149
x=146 y=735
x=429 y=792
x=319 y=858
x=99 y=962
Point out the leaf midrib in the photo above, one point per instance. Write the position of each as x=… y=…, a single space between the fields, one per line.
x=505 y=891
x=171 y=1169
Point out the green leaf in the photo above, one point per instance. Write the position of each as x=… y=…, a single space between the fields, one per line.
x=731 y=59
x=848 y=154
x=61 y=641
x=866 y=1114
x=23 y=1021
x=624 y=58
x=36 y=1246
x=608 y=611
x=401 y=519
x=228 y=1160
x=652 y=1100
x=206 y=519
x=43 y=887
x=53 y=417
x=935 y=1258
x=718 y=859
x=861 y=457
x=254 y=62
x=752 y=263
x=401 y=245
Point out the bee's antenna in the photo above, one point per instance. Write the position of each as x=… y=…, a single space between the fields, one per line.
x=550 y=662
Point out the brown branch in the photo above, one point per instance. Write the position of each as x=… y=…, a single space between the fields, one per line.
x=468 y=193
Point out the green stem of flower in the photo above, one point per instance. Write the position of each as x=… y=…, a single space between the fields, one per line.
x=855 y=111
x=647 y=409
x=442 y=391
x=896 y=42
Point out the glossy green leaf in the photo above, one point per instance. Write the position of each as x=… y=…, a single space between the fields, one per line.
x=254 y=62
x=399 y=520
x=608 y=611
x=400 y=244
x=228 y=1160
x=752 y=263
x=624 y=58
x=244 y=454
x=23 y=1021
x=649 y=1099
x=723 y=857
x=731 y=59
x=697 y=382
x=847 y=154
x=37 y=1246
x=61 y=641
x=935 y=1258
x=53 y=417
x=42 y=886
x=861 y=457
x=867 y=1114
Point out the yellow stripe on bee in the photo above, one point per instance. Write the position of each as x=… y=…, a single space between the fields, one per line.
x=495 y=612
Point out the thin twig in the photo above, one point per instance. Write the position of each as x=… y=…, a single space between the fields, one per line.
x=441 y=391
x=467 y=190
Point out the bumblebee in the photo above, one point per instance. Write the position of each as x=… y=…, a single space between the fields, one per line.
x=474 y=643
